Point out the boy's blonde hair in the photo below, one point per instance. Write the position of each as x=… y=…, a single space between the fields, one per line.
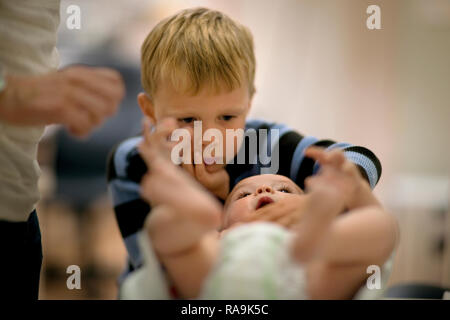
x=198 y=48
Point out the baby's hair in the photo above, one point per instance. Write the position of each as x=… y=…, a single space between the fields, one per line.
x=198 y=48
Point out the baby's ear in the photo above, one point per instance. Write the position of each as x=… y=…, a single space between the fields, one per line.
x=146 y=105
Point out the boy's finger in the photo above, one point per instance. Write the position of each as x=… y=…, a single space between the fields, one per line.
x=200 y=171
x=287 y=221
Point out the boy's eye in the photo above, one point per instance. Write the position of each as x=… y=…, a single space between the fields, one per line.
x=186 y=120
x=226 y=117
x=243 y=195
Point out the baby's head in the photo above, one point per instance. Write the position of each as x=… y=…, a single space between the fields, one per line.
x=199 y=65
x=253 y=193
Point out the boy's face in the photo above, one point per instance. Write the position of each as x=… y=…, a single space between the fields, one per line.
x=253 y=193
x=222 y=111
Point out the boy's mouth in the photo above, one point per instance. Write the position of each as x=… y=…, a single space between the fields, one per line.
x=263 y=202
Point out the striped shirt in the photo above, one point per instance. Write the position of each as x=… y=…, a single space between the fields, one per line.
x=126 y=168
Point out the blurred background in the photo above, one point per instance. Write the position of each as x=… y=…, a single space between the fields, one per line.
x=319 y=70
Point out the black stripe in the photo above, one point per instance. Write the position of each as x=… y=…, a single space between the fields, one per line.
x=236 y=170
x=110 y=167
x=369 y=154
x=136 y=167
x=131 y=216
x=287 y=145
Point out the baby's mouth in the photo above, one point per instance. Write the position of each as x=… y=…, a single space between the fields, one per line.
x=263 y=202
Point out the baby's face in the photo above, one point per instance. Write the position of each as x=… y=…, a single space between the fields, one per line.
x=253 y=193
x=222 y=111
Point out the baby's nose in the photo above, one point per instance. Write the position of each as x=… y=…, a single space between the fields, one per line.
x=264 y=188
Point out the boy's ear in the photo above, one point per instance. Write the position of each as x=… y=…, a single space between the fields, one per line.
x=146 y=105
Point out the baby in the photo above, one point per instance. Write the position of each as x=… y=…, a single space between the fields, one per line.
x=321 y=250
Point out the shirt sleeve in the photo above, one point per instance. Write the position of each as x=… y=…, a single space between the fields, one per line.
x=291 y=147
x=125 y=171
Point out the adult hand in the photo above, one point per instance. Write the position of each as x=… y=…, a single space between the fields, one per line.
x=78 y=97
x=217 y=182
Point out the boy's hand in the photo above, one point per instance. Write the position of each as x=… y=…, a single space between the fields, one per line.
x=338 y=172
x=217 y=182
x=287 y=212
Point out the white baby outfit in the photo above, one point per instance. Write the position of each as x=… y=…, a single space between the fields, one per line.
x=254 y=263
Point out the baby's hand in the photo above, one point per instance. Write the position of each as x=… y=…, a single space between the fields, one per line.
x=159 y=138
x=341 y=174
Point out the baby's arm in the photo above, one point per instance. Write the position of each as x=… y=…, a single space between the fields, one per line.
x=361 y=236
x=352 y=242
x=182 y=225
x=185 y=248
x=336 y=247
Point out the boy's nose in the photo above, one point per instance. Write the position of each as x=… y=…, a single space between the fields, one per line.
x=263 y=189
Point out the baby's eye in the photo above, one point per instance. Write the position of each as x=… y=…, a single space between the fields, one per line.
x=243 y=195
x=285 y=190
x=226 y=117
x=186 y=120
